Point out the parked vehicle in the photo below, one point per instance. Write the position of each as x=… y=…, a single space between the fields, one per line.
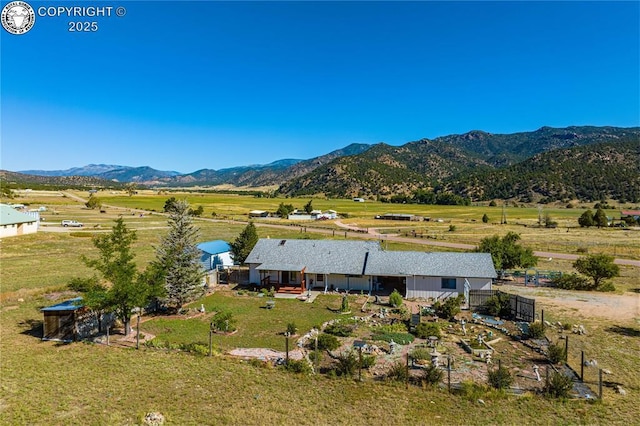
x=73 y=223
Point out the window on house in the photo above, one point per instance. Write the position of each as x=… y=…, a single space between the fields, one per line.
x=449 y=283
x=319 y=277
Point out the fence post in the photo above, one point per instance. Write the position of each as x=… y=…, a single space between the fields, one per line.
x=566 y=349
x=541 y=315
x=582 y=366
x=449 y=373
x=600 y=384
x=407 y=371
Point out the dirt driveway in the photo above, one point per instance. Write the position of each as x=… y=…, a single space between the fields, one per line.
x=623 y=307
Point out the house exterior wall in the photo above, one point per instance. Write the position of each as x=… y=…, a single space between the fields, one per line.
x=431 y=287
x=14 y=230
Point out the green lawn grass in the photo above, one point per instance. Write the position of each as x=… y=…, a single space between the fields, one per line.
x=256 y=326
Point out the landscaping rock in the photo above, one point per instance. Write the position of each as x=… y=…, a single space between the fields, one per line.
x=153 y=419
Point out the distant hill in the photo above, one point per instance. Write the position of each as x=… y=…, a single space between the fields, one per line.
x=591 y=172
x=466 y=165
x=584 y=162
x=13 y=179
x=275 y=173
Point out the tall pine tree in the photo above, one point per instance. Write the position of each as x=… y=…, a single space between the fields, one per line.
x=243 y=245
x=178 y=258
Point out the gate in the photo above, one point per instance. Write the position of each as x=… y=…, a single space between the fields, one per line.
x=522 y=308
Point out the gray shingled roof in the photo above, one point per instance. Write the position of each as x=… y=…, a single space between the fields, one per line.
x=317 y=256
x=440 y=264
x=350 y=257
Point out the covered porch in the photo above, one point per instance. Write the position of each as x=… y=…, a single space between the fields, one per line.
x=285 y=279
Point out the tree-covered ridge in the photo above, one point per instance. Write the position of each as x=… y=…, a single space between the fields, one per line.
x=592 y=172
x=386 y=170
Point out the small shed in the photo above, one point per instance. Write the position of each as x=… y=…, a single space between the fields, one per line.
x=258 y=213
x=215 y=255
x=68 y=321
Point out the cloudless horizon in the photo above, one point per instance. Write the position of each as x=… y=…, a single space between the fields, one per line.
x=192 y=85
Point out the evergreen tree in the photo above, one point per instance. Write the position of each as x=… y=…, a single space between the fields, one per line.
x=178 y=259
x=126 y=291
x=243 y=245
x=308 y=208
x=600 y=218
x=586 y=219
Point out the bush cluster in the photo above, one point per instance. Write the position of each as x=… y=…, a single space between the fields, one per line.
x=556 y=353
x=558 y=385
x=328 y=342
x=339 y=329
x=426 y=329
x=450 y=308
x=500 y=378
x=395 y=299
x=300 y=366
x=536 y=330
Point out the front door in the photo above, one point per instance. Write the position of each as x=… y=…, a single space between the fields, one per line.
x=285 y=277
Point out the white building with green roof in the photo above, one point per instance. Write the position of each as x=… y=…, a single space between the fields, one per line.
x=14 y=223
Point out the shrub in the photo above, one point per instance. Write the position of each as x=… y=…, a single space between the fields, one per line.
x=368 y=361
x=452 y=228
x=224 y=321
x=536 y=330
x=607 y=286
x=396 y=327
x=558 y=385
x=316 y=356
x=485 y=218
x=344 y=307
x=500 y=378
x=572 y=282
x=400 y=338
x=398 y=372
x=421 y=353
x=426 y=329
x=395 y=299
x=450 y=308
x=299 y=366
x=328 y=342
x=556 y=353
x=471 y=390
x=432 y=375
x=347 y=364
x=499 y=305
x=291 y=328
x=339 y=329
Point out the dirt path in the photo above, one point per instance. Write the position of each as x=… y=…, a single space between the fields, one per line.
x=623 y=307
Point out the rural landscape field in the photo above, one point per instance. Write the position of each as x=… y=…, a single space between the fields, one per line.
x=92 y=383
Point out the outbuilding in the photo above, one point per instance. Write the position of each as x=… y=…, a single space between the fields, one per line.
x=69 y=321
x=14 y=223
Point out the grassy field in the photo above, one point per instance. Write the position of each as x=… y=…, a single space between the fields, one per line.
x=80 y=383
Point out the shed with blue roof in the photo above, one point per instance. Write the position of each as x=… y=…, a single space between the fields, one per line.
x=216 y=255
x=68 y=321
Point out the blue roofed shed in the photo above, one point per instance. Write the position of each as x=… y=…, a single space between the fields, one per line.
x=215 y=255
x=68 y=321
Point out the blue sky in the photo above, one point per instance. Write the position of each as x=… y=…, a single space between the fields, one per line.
x=190 y=85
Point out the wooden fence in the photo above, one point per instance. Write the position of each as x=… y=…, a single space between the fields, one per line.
x=522 y=308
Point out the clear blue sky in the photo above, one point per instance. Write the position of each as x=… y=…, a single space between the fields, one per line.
x=190 y=85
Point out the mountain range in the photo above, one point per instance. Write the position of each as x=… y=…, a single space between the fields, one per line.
x=584 y=162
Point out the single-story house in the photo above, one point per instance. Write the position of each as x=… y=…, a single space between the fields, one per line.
x=69 y=321
x=397 y=216
x=14 y=223
x=215 y=255
x=635 y=214
x=297 y=265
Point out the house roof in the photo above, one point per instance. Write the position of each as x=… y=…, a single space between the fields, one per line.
x=214 y=247
x=317 y=256
x=67 y=305
x=442 y=264
x=365 y=258
x=10 y=216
